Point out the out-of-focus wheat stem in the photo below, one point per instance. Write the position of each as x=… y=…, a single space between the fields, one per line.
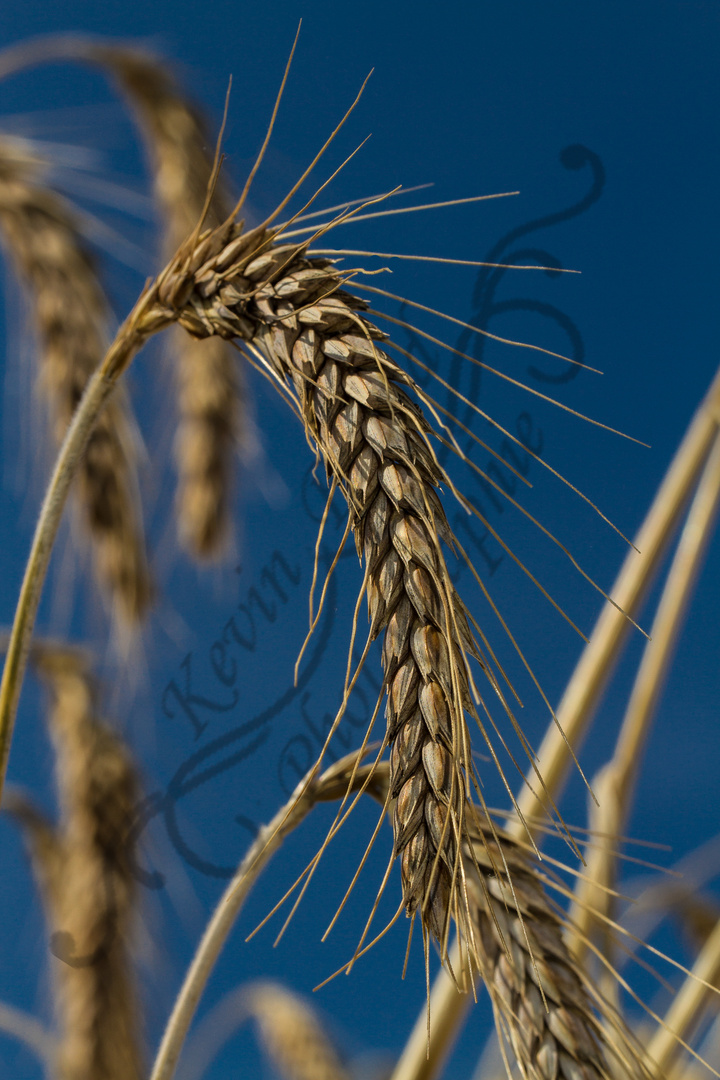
x=581 y=697
x=28 y=1030
x=688 y=1005
x=423 y=1058
x=615 y=783
x=583 y=692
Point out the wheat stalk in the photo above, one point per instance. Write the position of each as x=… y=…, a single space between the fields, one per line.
x=615 y=784
x=70 y=315
x=346 y=774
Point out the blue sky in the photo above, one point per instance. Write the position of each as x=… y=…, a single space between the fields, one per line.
x=603 y=117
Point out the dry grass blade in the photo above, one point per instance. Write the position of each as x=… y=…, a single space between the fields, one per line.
x=70 y=314
x=88 y=883
x=292 y=1034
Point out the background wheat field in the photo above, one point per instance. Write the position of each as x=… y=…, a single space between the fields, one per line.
x=603 y=118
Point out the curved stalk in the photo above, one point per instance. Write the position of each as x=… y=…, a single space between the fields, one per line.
x=27 y=1029
x=95 y=396
x=332 y=784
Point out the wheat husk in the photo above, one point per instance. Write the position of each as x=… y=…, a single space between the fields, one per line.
x=69 y=314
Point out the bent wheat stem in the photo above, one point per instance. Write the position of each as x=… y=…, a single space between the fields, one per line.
x=332 y=784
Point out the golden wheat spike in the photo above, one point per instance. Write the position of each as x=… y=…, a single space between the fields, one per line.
x=91 y=900
x=69 y=315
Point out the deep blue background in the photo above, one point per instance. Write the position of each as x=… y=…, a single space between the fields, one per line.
x=475 y=99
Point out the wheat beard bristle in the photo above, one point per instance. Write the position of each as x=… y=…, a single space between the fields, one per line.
x=372 y=436
x=209 y=390
x=91 y=896
x=70 y=313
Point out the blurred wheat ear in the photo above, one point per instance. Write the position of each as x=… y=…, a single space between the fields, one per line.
x=292 y=1035
x=209 y=388
x=83 y=869
x=207 y=376
x=69 y=317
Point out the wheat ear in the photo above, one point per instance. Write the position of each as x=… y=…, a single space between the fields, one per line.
x=206 y=372
x=312 y=338
x=584 y=690
x=544 y=1005
x=208 y=381
x=91 y=894
x=292 y=1034
x=70 y=315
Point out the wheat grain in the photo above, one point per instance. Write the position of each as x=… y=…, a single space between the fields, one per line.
x=70 y=314
x=90 y=902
